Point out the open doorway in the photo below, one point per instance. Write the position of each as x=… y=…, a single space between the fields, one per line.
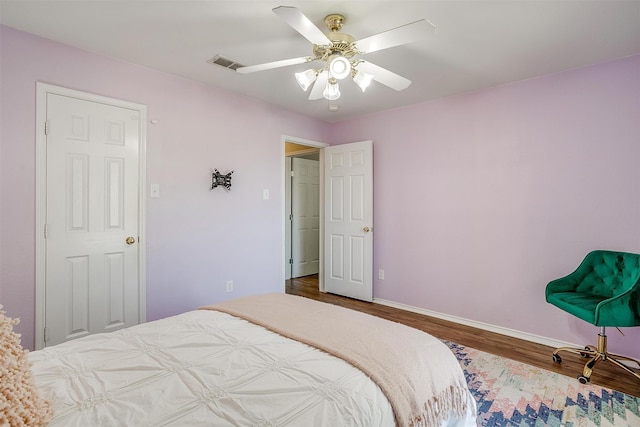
x=302 y=210
x=302 y=172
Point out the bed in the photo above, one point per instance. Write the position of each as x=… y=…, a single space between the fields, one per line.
x=266 y=360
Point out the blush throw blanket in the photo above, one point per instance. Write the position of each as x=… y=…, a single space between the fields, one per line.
x=418 y=373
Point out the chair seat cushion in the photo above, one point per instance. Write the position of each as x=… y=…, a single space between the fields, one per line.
x=580 y=304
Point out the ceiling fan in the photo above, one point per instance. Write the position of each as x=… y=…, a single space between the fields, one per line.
x=340 y=54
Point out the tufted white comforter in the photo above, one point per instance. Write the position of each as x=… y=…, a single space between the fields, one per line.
x=205 y=368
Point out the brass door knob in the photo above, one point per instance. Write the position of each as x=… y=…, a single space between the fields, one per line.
x=367 y=229
x=130 y=240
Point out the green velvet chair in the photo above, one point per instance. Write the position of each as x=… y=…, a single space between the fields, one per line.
x=604 y=291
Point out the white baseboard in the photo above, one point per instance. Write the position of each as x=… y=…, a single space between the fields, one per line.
x=551 y=342
x=480 y=325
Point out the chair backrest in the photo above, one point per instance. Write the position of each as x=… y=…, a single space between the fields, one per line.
x=609 y=273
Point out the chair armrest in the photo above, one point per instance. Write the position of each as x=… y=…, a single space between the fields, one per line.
x=622 y=310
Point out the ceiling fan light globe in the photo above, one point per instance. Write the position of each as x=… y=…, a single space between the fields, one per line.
x=363 y=80
x=332 y=91
x=339 y=67
x=306 y=78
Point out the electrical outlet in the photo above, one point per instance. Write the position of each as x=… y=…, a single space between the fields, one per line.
x=381 y=274
x=229 y=285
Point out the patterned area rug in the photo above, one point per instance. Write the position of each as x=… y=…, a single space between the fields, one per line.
x=511 y=393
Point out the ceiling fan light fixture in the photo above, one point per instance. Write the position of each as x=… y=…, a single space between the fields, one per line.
x=306 y=78
x=339 y=67
x=362 y=79
x=337 y=50
x=332 y=91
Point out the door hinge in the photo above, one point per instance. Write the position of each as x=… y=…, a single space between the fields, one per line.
x=46 y=334
x=46 y=127
x=46 y=231
x=291 y=173
x=290 y=217
x=290 y=260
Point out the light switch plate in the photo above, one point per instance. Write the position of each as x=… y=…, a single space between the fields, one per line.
x=155 y=190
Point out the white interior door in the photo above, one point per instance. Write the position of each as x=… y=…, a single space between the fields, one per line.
x=305 y=209
x=92 y=218
x=348 y=220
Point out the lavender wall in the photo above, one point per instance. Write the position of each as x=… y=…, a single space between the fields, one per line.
x=481 y=199
x=196 y=238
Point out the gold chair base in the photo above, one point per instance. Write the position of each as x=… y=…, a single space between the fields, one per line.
x=596 y=355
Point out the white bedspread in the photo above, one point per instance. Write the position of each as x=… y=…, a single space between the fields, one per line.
x=204 y=368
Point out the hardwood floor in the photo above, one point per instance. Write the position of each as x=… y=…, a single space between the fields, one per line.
x=605 y=374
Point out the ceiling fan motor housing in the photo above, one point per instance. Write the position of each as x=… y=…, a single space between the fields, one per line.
x=341 y=44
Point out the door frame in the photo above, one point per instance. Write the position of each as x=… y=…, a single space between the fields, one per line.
x=283 y=167
x=43 y=89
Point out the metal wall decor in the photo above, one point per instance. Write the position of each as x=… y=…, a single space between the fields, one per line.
x=217 y=179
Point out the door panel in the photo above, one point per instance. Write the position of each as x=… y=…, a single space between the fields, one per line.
x=92 y=174
x=116 y=291
x=357 y=245
x=349 y=220
x=337 y=257
x=77 y=321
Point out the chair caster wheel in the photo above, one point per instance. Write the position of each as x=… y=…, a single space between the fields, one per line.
x=586 y=355
x=583 y=379
x=556 y=358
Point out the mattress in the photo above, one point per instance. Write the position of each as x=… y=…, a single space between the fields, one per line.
x=207 y=368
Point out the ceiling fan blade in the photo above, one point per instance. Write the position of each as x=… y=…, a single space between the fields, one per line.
x=319 y=85
x=275 y=64
x=302 y=24
x=384 y=76
x=397 y=36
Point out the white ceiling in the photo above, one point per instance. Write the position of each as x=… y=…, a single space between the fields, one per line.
x=478 y=43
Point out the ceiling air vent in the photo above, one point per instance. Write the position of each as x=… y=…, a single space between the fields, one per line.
x=225 y=62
